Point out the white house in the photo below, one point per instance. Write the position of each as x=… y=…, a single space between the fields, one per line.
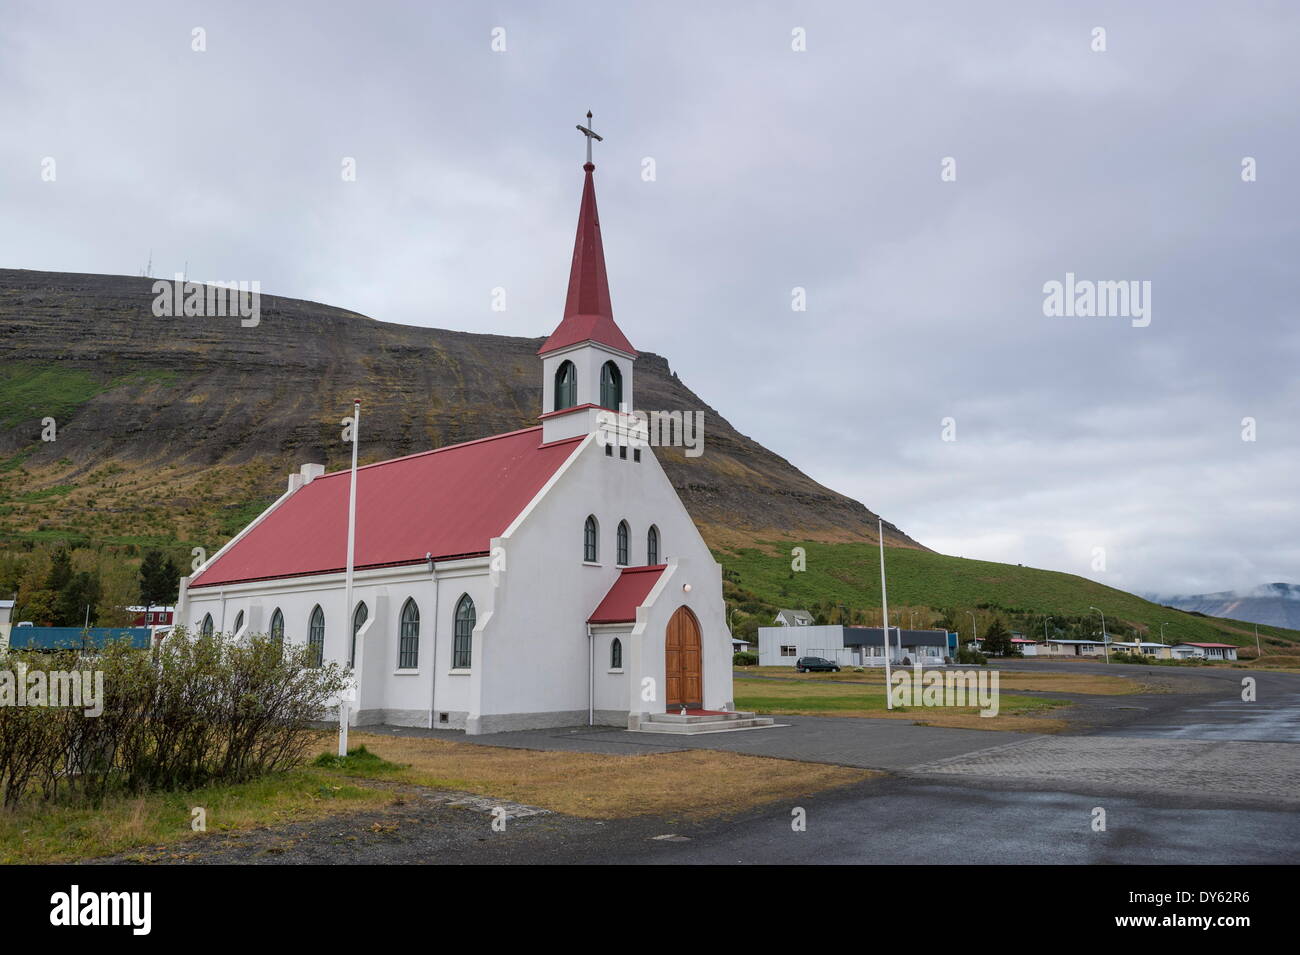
x=6 y=611
x=544 y=577
x=851 y=646
x=793 y=618
x=1204 y=651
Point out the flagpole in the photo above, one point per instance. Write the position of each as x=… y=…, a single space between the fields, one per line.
x=352 y=546
x=884 y=609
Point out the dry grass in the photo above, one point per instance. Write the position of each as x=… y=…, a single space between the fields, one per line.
x=692 y=783
x=867 y=700
x=1090 y=683
x=40 y=834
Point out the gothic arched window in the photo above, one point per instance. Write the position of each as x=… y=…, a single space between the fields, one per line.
x=463 y=645
x=611 y=386
x=316 y=637
x=277 y=626
x=616 y=654
x=408 y=650
x=359 y=618
x=206 y=628
x=566 y=386
x=589 y=549
x=652 y=546
x=239 y=621
x=623 y=534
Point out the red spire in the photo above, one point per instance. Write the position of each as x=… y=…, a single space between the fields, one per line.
x=588 y=315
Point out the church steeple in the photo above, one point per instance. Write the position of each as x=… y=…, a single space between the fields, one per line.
x=588 y=314
x=587 y=361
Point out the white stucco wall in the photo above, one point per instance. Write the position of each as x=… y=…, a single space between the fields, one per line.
x=537 y=640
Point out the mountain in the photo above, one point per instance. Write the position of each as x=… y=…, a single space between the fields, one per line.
x=1274 y=605
x=175 y=432
x=178 y=430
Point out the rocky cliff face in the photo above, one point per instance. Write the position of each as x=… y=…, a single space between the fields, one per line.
x=164 y=422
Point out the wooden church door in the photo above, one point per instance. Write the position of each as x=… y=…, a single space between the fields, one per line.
x=684 y=670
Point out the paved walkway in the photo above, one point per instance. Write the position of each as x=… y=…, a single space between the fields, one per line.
x=863 y=743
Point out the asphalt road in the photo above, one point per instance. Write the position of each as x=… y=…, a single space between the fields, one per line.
x=1192 y=775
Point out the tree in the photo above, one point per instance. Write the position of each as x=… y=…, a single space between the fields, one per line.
x=119 y=588
x=158 y=579
x=997 y=639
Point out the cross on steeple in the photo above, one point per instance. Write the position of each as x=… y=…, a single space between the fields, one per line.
x=590 y=134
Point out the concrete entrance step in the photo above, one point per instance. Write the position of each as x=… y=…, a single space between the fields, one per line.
x=703 y=722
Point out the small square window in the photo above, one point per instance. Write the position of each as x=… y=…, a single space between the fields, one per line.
x=636 y=454
x=609 y=450
x=622 y=452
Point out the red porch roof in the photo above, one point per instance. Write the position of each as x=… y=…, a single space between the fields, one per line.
x=629 y=592
x=449 y=502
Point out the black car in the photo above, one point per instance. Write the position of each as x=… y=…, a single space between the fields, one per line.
x=816 y=665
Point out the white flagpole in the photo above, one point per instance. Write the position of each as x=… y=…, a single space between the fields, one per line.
x=884 y=610
x=352 y=546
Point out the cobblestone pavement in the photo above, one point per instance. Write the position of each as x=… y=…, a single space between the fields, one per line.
x=1269 y=771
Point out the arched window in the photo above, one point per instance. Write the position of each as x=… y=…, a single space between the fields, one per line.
x=566 y=386
x=206 y=628
x=408 y=647
x=623 y=532
x=316 y=637
x=462 y=647
x=652 y=546
x=611 y=386
x=277 y=626
x=359 y=618
x=589 y=552
x=239 y=621
x=616 y=654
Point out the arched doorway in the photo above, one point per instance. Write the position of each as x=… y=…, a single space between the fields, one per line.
x=682 y=658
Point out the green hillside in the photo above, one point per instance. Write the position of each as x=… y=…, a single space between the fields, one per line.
x=841 y=584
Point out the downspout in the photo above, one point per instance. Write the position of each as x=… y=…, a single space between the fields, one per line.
x=591 y=677
x=433 y=656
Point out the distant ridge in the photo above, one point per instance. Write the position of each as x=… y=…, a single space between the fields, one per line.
x=1272 y=605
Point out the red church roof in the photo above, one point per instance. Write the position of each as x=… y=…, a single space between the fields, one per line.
x=588 y=314
x=629 y=592
x=448 y=502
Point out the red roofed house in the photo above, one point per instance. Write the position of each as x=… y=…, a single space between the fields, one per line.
x=545 y=577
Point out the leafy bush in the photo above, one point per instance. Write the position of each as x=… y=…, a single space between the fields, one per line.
x=195 y=711
x=744 y=659
x=967 y=655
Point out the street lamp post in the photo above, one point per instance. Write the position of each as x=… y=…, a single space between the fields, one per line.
x=974 y=630
x=1105 y=644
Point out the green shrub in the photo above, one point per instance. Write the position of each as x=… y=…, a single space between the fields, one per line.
x=197 y=710
x=744 y=659
x=965 y=654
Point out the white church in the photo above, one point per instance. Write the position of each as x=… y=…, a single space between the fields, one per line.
x=541 y=578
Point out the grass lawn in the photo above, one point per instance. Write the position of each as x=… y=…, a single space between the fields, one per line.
x=820 y=698
x=689 y=784
x=1096 y=684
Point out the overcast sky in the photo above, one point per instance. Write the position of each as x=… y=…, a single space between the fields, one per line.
x=774 y=169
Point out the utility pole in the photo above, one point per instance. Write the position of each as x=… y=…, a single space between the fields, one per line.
x=1258 y=652
x=884 y=610
x=1105 y=643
